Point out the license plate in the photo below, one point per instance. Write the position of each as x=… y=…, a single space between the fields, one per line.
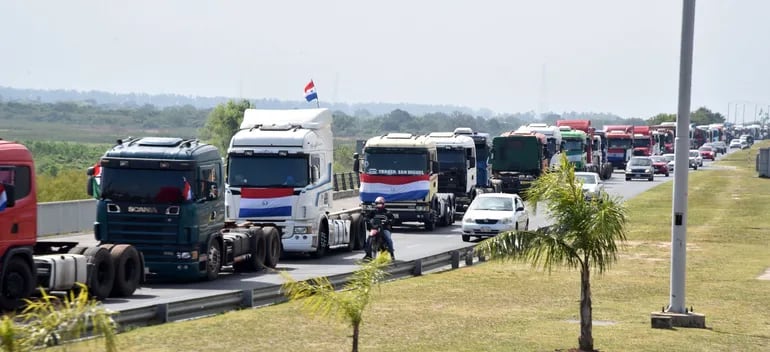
x=486 y=229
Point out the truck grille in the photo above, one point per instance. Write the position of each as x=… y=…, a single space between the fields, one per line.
x=142 y=228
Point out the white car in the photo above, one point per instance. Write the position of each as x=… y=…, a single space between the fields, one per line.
x=670 y=158
x=694 y=153
x=492 y=213
x=590 y=183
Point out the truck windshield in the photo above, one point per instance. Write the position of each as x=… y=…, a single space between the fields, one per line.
x=451 y=158
x=573 y=144
x=146 y=186
x=619 y=143
x=268 y=171
x=641 y=142
x=395 y=163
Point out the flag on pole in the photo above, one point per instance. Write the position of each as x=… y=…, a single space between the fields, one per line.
x=310 y=93
x=96 y=185
x=3 y=197
x=187 y=191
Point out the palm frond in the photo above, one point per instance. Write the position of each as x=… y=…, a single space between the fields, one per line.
x=318 y=296
x=544 y=248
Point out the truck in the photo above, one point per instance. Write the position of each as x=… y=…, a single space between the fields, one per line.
x=163 y=196
x=645 y=143
x=106 y=270
x=593 y=154
x=404 y=169
x=279 y=176
x=665 y=134
x=551 y=133
x=457 y=168
x=620 y=144
x=518 y=158
x=483 y=166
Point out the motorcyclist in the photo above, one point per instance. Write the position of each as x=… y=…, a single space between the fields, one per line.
x=379 y=209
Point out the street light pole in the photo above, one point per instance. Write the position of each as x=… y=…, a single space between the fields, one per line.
x=681 y=158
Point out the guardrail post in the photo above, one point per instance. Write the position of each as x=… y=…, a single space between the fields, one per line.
x=336 y=183
x=469 y=258
x=417 y=271
x=482 y=258
x=248 y=299
x=352 y=183
x=455 y=259
x=161 y=313
x=358 y=180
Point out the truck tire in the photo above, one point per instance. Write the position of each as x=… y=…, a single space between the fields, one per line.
x=213 y=259
x=357 y=222
x=79 y=250
x=128 y=270
x=323 y=242
x=274 y=246
x=430 y=222
x=102 y=276
x=17 y=284
x=257 y=251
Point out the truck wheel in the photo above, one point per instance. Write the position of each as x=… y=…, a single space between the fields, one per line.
x=274 y=246
x=213 y=259
x=102 y=276
x=358 y=223
x=17 y=284
x=78 y=250
x=256 y=252
x=323 y=242
x=430 y=223
x=128 y=270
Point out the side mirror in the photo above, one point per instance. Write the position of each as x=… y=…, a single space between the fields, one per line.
x=90 y=182
x=356 y=164
x=10 y=195
x=520 y=209
x=434 y=166
x=315 y=173
x=213 y=190
x=472 y=162
x=90 y=171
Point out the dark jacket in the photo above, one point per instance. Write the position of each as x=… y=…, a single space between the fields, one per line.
x=371 y=214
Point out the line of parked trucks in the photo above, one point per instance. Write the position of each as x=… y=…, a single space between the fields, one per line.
x=177 y=209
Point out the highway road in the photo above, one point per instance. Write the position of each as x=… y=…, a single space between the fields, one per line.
x=410 y=243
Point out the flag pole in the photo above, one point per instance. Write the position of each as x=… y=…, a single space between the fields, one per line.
x=317 y=101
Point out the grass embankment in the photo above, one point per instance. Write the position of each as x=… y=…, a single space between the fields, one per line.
x=509 y=307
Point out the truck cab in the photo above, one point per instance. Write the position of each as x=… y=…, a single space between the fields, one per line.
x=517 y=158
x=404 y=169
x=162 y=195
x=483 y=149
x=575 y=146
x=457 y=166
x=620 y=144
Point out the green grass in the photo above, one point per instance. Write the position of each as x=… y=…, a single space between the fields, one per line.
x=504 y=307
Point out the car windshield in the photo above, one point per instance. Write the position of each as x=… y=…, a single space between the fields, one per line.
x=694 y=153
x=658 y=159
x=669 y=157
x=707 y=149
x=587 y=179
x=640 y=162
x=492 y=203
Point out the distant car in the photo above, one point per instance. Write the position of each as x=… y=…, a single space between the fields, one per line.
x=591 y=184
x=737 y=143
x=670 y=161
x=707 y=152
x=660 y=164
x=721 y=147
x=492 y=213
x=640 y=167
x=695 y=159
x=698 y=157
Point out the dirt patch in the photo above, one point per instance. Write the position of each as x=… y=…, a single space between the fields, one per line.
x=765 y=275
x=660 y=244
x=595 y=322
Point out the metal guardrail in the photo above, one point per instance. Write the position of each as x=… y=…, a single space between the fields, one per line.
x=79 y=215
x=258 y=297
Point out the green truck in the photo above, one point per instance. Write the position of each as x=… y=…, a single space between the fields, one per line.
x=517 y=159
x=165 y=196
x=575 y=146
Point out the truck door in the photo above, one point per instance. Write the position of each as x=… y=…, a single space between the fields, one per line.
x=18 y=224
x=210 y=199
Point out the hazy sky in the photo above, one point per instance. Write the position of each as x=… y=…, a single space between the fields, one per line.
x=509 y=56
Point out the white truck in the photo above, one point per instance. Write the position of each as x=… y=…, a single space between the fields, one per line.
x=404 y=169
x=457 y=167
x=279 y=173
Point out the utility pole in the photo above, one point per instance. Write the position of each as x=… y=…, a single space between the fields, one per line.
x=677 y=313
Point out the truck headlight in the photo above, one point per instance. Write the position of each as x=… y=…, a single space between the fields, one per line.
x=421 y=208
x=300 y=230
x=187 y=255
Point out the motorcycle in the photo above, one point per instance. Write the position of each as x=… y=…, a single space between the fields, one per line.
x=375 y=227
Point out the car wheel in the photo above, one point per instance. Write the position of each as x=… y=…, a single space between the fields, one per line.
x=666 y=174
x=651 y=178
x=466 y=238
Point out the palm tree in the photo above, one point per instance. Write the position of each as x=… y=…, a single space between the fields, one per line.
x=349 y=304
x=584 y=235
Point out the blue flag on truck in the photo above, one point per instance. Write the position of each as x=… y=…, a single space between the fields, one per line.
x=310 y=93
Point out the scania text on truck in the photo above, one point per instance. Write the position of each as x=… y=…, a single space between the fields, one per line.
x=457 y=168
x=279 y=175
x=107 y=271
x=403 y=168
x=163 y=195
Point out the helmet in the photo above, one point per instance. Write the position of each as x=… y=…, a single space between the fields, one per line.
x=380 y=202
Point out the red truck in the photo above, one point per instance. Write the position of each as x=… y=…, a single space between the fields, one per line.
x=26 y=264
x=620 y=144
x=645 y=143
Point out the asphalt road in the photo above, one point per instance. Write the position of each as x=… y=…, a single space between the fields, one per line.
x=410 y=244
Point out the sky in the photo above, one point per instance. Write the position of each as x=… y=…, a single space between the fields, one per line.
x=612 y=56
